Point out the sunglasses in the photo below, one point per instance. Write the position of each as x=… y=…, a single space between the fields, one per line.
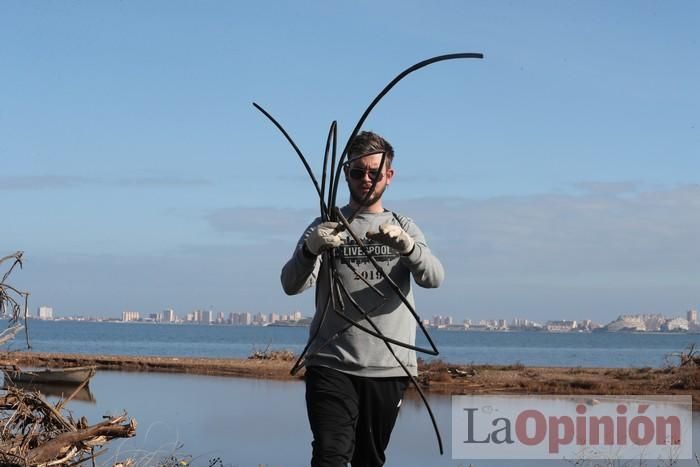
x=357 y=173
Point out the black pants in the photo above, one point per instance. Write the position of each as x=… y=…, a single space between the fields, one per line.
x=351 y=417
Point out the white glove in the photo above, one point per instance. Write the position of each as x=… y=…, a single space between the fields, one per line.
x=322 y=238
x=394 y=237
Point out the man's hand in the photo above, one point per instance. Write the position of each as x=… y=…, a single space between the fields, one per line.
x=393 y=236
x=322 y=238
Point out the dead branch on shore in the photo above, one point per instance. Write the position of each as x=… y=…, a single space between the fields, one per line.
x=687 y=358
x=33 y=432
x=267 y=354
x=14 y=303
x=690 y=357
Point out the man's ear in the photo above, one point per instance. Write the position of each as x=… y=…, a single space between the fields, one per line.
x=389 y=175
x=345 y=170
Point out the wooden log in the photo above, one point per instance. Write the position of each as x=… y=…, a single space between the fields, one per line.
x=58 y=447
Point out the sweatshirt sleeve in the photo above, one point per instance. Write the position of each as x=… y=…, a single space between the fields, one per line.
x=300 y=272
x=426 y=269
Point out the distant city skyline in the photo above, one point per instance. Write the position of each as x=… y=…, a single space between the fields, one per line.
x=556 y=178
x=638 y=322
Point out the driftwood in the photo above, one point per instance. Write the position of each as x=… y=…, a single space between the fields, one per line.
x=33 y=432
x=267 y=354
x=690 y=357
x=14 y=303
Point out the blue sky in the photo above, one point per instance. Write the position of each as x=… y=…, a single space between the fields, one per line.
x=556 y=178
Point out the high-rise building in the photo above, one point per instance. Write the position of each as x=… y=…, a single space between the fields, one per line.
x=167 y=316
x=693 y=316
x=45 y=312
x=130 y=316
x=206 y=316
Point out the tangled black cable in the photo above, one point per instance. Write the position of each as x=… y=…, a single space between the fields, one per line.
x=330 y=212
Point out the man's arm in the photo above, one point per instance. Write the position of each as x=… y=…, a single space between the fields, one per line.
x=301 y=270
x=299 y=273
x=426 y=269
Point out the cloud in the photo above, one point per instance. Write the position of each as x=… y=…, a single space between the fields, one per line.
x=549 y=256
x=160 y=182
x=627 y=236
x=263 y=222
x=642 y=237
x=607 y=188
x=44 y=182
x=40 y=182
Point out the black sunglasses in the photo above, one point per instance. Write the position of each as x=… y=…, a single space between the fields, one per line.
x=357 y=173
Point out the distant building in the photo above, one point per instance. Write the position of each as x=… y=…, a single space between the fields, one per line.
x=241 y=319
x=167 y=316
x=560 y=326
x=260 y=319
x=442 y=321
x=692 y=316
x=520 y=323
x=196 y=316
x=675 y=324
x=45 y=312
x=130 y=316
x=206 y=316
x=481 y=326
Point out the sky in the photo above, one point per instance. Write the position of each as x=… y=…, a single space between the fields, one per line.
x=557 y=178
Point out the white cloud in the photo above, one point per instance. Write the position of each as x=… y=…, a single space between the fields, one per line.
x=40 y=182
x=644 y=236
x=542 y=257
x=263 y=221
x=158 y=182
x=43 y=182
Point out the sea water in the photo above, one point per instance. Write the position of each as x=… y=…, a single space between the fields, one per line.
x=248 y=422
x=598 y=349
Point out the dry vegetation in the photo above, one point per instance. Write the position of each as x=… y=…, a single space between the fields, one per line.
x=36 y=433
x=435 y=376
x=438 y=376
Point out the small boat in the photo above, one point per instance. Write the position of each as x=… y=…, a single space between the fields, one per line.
x=73 y=375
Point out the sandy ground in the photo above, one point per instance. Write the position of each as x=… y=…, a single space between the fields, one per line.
x=435 y=377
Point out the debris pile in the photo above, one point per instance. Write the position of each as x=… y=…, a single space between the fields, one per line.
x=286 y=355
x=34 y=432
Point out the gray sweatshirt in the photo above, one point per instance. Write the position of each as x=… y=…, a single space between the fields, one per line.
x=340 y=345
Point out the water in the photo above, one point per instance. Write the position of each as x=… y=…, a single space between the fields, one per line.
x=530 y=348
x=248 y=422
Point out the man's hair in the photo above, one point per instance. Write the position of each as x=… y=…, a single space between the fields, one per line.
x=368 y=142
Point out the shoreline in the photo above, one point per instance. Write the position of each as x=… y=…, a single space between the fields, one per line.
x=435 y=377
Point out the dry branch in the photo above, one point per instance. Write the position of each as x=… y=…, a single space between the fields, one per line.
x=13 y=302
x=86 y=438
x=35 y=433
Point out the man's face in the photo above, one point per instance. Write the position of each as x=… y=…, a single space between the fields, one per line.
x=360 y=174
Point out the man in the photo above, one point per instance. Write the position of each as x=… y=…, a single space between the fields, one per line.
x=354 y=385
